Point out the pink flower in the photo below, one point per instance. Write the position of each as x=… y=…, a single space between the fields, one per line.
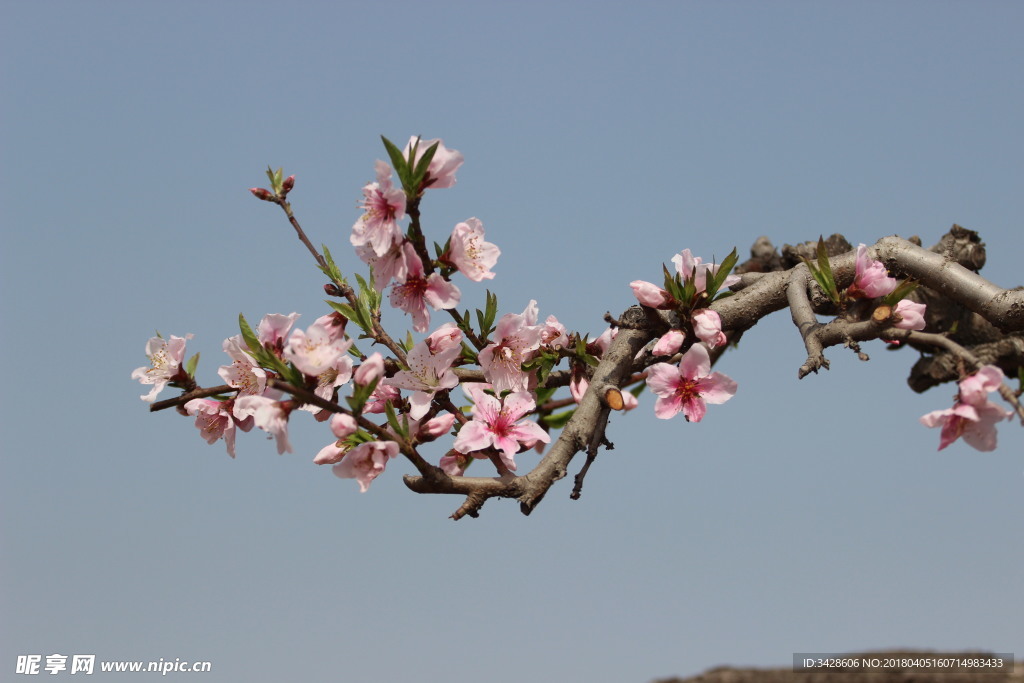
x=385 y=206
x=871 y=280
x=973 y=416
x=629 y=401
x=371 y=369
x=690 y=266
x=273 y=330
x=314 y=351
x=977 y=424
x=365 y=462
x=433 y=428
x=441 y=172
x=707 y=325
x=429 y=372
x=413 y=295
x=454 y=463
x=470 y=253
x=444 y=339
x=650 y=294
x=214 y=421
x=669 y=343
x=331 y=378
x=334 y=323
x=380 y=397
x=243 y=373
x=269 y=415
x=165 y=356
x=578 y=385
x=391 y=266
x=909 y=315
x=603 y=342
x=974 y=389
x=498 y=424
x=518 y=339
x=553 y=334
x=343 y=426
x=689 y=387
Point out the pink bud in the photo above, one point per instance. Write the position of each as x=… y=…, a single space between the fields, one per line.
x=435 y=427
x=260 y=193
x=287 y=185
x=669 y=343
x=371 y=369
x=910 y=315
x=652 y=295
x=707 y=325
x=343 y=425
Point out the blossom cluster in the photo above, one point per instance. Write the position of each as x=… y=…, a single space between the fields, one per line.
x=380 y=405
x=689 y=386
x=973 y=416
x=277 y=369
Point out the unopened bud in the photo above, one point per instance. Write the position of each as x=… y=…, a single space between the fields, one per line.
x=261 y=193
x=287 y=185
x=332 y=289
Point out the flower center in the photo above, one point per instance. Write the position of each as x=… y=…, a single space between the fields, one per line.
x=687 y=389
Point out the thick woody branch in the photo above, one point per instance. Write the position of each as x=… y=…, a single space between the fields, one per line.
x=1004 y=308
x=584 y=431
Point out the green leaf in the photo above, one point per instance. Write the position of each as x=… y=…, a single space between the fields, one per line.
x=276 y=179
x=396 y=426
x=251 y=340
x=544 y=394
x=420 y=172
x=822 y=273
x=332 y=271
x=558 y=420
x=468 y=353
x=348 y=312
x=190 y=367
x=900 y=293
x=398 y=162
x=718 y=279
x=825 y=269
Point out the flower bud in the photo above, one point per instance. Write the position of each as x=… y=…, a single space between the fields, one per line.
x=287 y=185
x=371 y=369
x=261 y=193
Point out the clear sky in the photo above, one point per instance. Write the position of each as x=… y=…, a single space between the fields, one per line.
x=600 y=139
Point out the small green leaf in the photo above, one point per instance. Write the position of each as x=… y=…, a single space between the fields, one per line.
x=718 y=278
x=544 y=394
x=900 y=293
x=251 y=340
x=420 y=172
x=190 y=367
x=332 y=270
x=398 y=162
x=396 y=426
x=558 y=420
x=468 y=353
x=348 y=312
x=825 y=268
x=822 y=273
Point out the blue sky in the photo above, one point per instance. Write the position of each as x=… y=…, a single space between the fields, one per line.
x=600 y=139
